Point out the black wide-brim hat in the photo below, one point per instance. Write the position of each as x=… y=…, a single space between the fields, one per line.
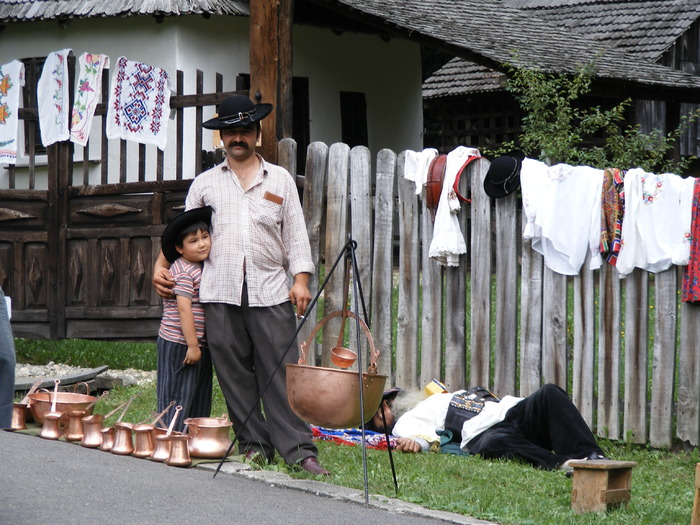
x=503 y=176
x=236 y=111
x=179 y=223
x=391 y=393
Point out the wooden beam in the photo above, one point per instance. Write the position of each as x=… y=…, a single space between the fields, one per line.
x=271 y=68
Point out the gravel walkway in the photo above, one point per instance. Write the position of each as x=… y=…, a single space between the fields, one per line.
x=129 y=376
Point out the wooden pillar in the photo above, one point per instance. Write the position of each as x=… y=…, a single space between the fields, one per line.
x=271 y=68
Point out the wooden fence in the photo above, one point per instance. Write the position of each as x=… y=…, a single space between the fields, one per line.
x=625 y=349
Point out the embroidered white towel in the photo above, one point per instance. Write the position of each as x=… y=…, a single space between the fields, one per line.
x=11 y=82
x=87 y=95
x=139 y=104
x=52 y=98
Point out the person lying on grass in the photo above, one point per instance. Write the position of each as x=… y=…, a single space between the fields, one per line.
x=544 y=429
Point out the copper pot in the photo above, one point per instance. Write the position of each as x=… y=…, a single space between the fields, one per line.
x=161 y=451
x=328 y=397
x=92 y=427
x=179 y=451
x=144 y=441
x=123 y=439
x=107 y=439
x=75 y=430
x=20 y=411
x=51 y=428
x=210 y=436
x=40 y=402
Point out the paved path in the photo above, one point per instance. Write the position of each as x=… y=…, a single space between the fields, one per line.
x=44 y=481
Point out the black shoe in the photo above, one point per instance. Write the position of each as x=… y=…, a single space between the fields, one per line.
x=311 y=466
x=595 y=456
x=255 y=457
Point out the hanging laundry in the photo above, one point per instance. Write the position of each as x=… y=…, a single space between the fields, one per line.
x=612 y=214
x=52 y=98
x=11 y=82
x=448 y=241
x=690 y=292
x=87 y=95
x=656 y=228
x=562 y=206
x=139 y=104
x=416 y=167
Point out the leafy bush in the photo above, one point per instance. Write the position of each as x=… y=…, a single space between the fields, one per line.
x=559 y=127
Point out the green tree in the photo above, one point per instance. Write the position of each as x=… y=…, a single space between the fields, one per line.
x=558 y=127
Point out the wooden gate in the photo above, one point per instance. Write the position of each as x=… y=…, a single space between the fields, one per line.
x=77 y=256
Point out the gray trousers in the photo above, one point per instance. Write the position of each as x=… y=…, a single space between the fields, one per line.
x=7 y=366
x=246 y=345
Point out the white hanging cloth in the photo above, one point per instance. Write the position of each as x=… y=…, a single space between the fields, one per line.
x=448 y=241
x=562 y=207
x=656 y=227
x=87 y=94
x=139 y=104
x=416 y=167
x=11 y=82
x=53 y=98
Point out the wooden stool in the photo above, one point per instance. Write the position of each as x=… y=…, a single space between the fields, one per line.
x=696 y=502
x=600 y=484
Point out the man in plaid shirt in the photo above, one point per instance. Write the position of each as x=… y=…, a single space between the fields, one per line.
x=258 y=239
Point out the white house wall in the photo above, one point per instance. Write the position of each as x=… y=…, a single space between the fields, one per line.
x=387 y=72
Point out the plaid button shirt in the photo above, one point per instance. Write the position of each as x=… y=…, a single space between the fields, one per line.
x=263 y=227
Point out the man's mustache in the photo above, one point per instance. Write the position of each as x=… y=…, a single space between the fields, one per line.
x=235 y=143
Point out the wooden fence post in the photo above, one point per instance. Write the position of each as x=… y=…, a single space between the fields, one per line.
x=383 y=258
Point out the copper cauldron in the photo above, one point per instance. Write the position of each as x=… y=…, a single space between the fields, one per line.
x=330 y=398
x=210 y=436
x=40 y=402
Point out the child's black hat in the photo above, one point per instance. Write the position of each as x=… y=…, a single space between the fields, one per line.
x=177 y=224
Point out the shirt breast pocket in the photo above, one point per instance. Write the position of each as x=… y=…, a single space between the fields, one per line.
x=267 y=214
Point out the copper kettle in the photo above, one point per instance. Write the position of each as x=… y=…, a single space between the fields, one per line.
x=210 y=436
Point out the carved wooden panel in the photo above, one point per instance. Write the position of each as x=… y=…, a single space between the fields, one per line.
x=24 y=214
x=78 y=275
x=140 y=271
x=111 y=209
x=108 y=278
x=36 y=275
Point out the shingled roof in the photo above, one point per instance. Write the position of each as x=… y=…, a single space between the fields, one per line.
x=641 y=29
x=644 y=28
x=33 y=10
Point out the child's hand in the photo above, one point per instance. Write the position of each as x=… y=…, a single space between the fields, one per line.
x=194 y=354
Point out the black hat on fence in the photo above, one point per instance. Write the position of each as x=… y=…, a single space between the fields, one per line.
x=179 y=223
x=503 y=176
x=237 y=111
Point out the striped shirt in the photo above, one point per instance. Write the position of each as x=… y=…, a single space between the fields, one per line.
x=263 y=227
x=187 y=276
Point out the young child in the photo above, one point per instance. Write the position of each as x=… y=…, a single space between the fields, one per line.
x=184 y=364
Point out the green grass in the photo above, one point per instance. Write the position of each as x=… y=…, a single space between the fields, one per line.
x=88 y=354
